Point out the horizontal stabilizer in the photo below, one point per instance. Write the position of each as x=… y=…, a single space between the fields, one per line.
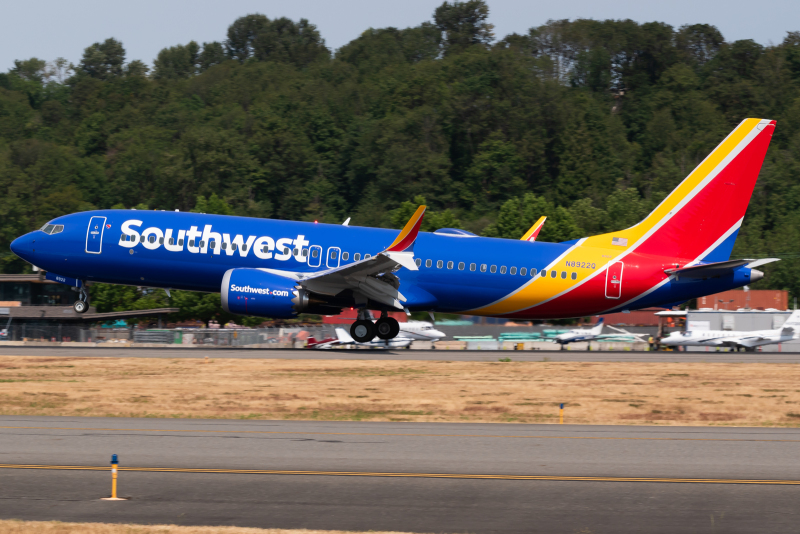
x=707 y=270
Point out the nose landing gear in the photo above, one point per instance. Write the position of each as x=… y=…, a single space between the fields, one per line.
x=82 y=304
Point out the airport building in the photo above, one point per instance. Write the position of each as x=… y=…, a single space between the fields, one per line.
x=34 y=308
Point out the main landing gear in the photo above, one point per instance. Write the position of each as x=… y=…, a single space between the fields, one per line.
x=364 y=330
x=82 y=304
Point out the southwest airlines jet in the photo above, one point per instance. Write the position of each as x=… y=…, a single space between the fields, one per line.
x=279 y=269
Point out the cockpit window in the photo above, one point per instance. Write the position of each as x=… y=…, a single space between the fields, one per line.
x=51 y=229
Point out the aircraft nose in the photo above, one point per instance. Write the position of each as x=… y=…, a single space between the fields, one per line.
x=23 y=246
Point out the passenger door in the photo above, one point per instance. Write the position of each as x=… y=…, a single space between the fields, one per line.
x=333 y=257
x=94 y=235
x=316 y=255
x=614 y=280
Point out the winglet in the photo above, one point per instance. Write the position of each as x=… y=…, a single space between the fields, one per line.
x=531 y=234
x=409 y=233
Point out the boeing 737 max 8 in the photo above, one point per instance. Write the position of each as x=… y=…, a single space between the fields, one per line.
x=275 y=268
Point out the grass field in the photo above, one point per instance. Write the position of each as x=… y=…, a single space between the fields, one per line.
x=523 y=392
x=57 y=527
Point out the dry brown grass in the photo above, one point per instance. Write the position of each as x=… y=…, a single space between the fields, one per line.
x=57 y=527
x=525 y=392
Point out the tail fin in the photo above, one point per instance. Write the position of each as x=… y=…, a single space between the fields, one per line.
x=700 y=219
x=596 y=329
x=793 y=322
x=343 y=336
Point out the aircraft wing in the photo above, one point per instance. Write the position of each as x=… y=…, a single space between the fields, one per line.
x=371 y=277
x=534 y=230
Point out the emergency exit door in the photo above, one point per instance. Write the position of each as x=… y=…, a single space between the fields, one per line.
x=94 y=235
x=614 y=280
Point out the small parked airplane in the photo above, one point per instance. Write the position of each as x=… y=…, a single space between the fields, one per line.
x=409 y=331
x=279 y=269
x=592 y=334
x=738 y=340
x=343 y=338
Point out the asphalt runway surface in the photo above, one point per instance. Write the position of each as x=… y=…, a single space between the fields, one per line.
x=404 y=355
x=417 y=477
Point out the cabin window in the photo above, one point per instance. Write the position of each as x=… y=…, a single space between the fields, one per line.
x=574 y=276
x=234 y=246
x=439 y=264
x=449 y=264
x=356 y=256
x=315 y=253
x=471 y=266
x=563 y=275
x=285 y=250
x=244 y=248
x=122 y=237
x=171 y=240
x=553 y=273
x=461 y=266
x=523 y=271
x=334 y=254
x=160 y=240
x=544 y=273
x=294 y=251
x=428 y=263
x=191 y=243
x=345 y=255
x=180 y=242
x=513 y=270
x=151 y=239
x=483 y=267
x=418 y=261
x=225 y=246
x=305 y=252
x=533 y=272
x=493 y=269
x=202 y=244
x=503 y=269
x=367 y=256
x=264 y=249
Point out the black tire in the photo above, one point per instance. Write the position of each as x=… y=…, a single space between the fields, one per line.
x=362 y=331
x=80 y=306
x=387 y=328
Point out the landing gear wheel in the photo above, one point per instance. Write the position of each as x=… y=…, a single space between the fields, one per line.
x=362 y=331
x=80 y=306
x=387 y=328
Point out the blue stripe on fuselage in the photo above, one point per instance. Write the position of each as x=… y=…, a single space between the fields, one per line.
x=454 y=289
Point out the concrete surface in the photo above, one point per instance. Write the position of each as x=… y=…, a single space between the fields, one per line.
x=731 y=500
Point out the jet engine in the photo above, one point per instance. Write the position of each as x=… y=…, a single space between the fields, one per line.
x=262 y=294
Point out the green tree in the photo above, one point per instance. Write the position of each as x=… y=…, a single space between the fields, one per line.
x=463 y=24
x=103 y=60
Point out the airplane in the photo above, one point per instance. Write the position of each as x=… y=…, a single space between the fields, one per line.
x=747 y=341
x=592 y=334
x=343 y=338
x=410 y=331
x=279 y=269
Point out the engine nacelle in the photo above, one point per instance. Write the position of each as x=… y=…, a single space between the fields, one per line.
x=263 y=294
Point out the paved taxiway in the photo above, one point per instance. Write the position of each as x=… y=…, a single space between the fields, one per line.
x=387 y=476
x=422 y=355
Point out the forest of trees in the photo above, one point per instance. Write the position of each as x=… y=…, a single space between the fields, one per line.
x=589 y=122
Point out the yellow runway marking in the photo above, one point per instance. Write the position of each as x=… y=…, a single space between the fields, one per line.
x=276 y=432
x=407 y=475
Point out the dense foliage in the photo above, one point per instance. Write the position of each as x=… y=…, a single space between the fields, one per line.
x=589 y=122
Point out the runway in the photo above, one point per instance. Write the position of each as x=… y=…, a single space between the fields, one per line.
x=407 y=355
x=420 y=477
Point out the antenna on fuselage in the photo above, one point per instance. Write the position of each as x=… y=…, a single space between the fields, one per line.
x=347 y=222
